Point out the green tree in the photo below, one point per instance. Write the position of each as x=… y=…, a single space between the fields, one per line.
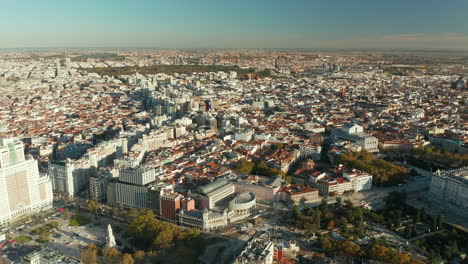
x=317 y=219
x=296 y=213
x=418 y=216
x=94 y=207
x=245 y=166
x=308 y=211
x=424 y=214
x=44 y=236
x=324 y=206
x=385 y=173
x=413 y=230
x=53 y=224
x=451 y=249
x=349 y=203
x=435 y=257
x=407 y=231
x=338 y=201
x=439 y=221
x=277 y=146
x=434 y=224
x=397 y=218
x=149 y=233
x=344 y=227
x=360 y=227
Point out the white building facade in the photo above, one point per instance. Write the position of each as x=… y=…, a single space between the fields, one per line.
x=451 y=187
x=23 y=190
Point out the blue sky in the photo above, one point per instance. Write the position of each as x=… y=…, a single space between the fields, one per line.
x=425 y=24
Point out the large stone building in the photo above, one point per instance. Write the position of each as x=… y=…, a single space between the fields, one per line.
x=71 y=176
x=355 y=133
x=132 y=187
x=295 y=194
x=451 y=186
x=264 y=188
x=23 y=190
x=240 y=207
x=340 y=180
x=213 y=194
x=139 y=175
x=216 y=206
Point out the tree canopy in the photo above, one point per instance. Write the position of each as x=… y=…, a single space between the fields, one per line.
x=442 y=156
x=150 y=234
x=384 y=173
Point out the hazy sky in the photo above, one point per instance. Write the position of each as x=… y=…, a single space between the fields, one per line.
x=438 y=24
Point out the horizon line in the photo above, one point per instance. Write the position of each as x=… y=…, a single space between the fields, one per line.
x=127 y=48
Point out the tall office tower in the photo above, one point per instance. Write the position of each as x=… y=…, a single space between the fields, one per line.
x=67 y=63
x=22 y=190
x=57 y=67
x=70 y=177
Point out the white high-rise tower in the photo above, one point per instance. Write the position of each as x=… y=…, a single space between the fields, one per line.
x=22 y=190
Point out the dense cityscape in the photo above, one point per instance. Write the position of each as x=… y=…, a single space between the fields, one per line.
x=234 y=132
x=233 y=157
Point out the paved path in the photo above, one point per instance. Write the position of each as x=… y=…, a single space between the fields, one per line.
x=426 y=235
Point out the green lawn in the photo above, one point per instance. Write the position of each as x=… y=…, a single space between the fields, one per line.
x=23 y=239
x=79 y=220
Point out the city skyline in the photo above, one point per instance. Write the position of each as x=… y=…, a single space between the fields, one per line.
x=214 y=24
x=261 y=131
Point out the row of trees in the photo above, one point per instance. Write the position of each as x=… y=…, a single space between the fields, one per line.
x=150 y=234
x=374 y=251
x=249 y=167
x=93 y=255
x=441 y=156
x=445 y=245
x=398 y=70
x=340 y=216
x=384 y=173
x=396 y=210
x=158 y=241
x=99 y=55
